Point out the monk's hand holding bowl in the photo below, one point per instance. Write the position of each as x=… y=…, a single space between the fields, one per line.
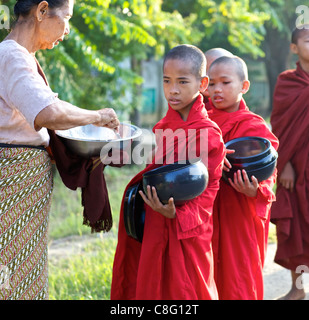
x=243 y=185
x=153 y=201
x=226 y=164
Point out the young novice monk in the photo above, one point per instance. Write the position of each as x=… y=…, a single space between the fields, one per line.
x=175 y=259
x=290 y=122
x=241 y=210
x=212 y=55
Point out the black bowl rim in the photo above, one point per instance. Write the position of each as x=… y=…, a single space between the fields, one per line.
x=188 y=163
x=256 y=163
x=248 y=138
x=225 y=175
x=129 y=209
x=136 y=134
x=261 y=168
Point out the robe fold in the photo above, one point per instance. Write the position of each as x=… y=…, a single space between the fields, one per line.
x=241 y=223
x=175 y=259
x=290 y=123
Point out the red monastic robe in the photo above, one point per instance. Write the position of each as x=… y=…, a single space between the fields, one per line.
x=175 y=259
x=240 y=222
x=290 y=122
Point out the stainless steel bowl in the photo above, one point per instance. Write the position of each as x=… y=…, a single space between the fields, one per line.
x=88 y=141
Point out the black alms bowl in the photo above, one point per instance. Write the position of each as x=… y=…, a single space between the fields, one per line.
x=134 y=212
x=254 y=154
x=182 y=181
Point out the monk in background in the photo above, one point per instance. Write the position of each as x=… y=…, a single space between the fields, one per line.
x=212 y=55
x=290 y=122
x=242 y=207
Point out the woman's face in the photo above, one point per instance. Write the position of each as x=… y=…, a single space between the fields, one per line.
x=54 y=25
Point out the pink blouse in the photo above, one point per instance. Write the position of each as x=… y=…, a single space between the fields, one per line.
x=23 y=94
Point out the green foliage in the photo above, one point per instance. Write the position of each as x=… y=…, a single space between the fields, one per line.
x=87 y=68
x=282 y=13
x=226 y=23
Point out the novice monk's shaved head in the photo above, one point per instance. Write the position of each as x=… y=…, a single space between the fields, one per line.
x=216 y=53
x=189 y=54
x=299 y=32
x=239 y=65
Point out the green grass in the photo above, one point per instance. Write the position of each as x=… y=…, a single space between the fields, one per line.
x=272 y=237
x=84 y=274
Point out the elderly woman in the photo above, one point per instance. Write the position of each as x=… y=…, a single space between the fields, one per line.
x=28 y=108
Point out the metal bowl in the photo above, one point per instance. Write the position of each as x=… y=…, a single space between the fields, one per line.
x=254 y=154
x=182 y=181
x=88 y=141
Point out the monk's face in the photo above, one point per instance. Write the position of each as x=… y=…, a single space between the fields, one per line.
x=302 y=46
x=225 y=87
x=181 y=86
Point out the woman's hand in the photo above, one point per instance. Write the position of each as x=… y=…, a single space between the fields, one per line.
x=153 y=201
x=108 y=119
x=226 y=165
x=287 y=177
x=242 y=183
x=62 y=115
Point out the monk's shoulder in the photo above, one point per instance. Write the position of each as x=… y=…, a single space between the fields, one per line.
x=290 y=74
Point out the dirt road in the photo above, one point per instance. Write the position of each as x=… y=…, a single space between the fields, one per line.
x=277 y=280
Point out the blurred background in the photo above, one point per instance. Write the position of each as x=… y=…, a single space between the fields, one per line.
x=113 y=55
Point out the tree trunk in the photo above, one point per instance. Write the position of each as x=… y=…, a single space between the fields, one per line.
x=136 y=66
x=277 y=50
